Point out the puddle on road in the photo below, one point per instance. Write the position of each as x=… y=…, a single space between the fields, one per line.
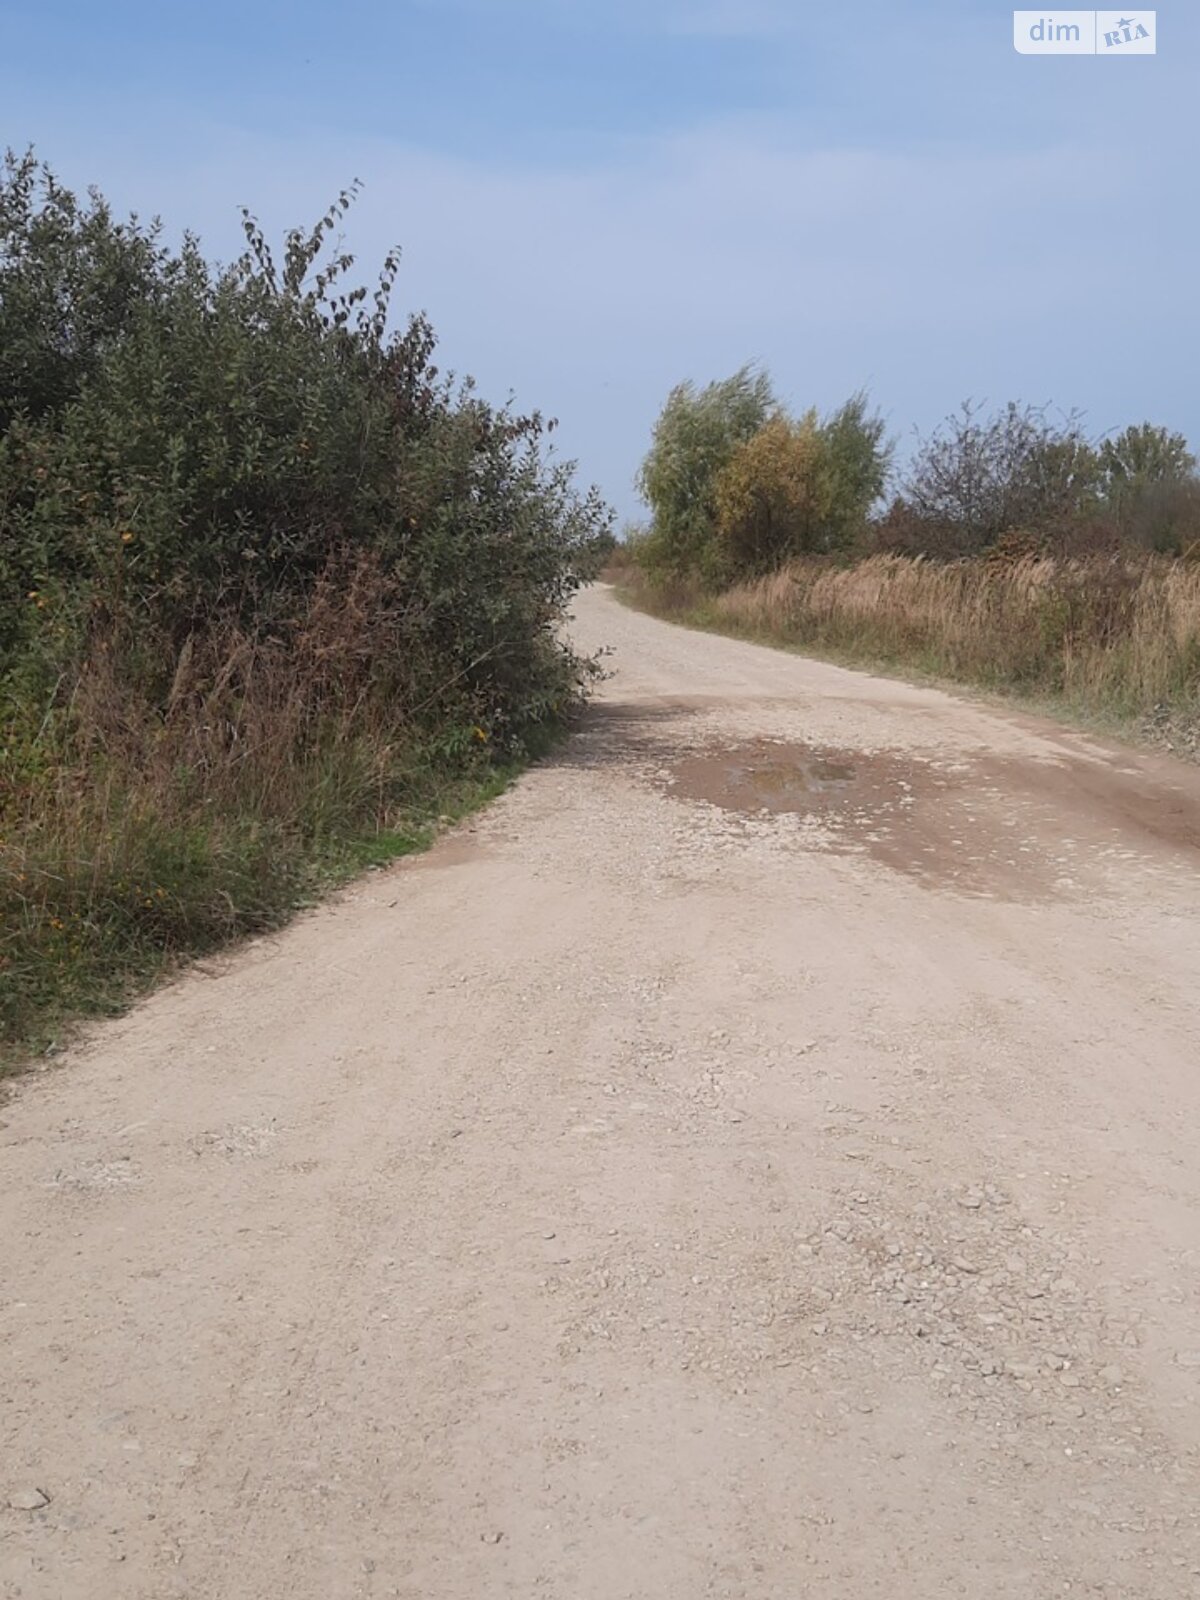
x=791 y=778
x=932 y=823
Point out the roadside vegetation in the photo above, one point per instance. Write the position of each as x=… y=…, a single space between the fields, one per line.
x=1013 y=552
x=275 y=593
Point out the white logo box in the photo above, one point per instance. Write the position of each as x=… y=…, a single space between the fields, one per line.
x=1085 y=33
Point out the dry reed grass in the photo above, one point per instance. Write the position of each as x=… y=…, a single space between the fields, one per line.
x=1116 y=636
x=160 y=813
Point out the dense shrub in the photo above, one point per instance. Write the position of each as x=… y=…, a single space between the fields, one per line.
x=1163 y=516
x=978 y=478
x=266 y=579
x=202 y=443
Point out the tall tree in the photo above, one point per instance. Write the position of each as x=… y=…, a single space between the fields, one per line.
x=696 y=434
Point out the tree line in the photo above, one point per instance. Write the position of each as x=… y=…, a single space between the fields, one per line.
x=738 y=486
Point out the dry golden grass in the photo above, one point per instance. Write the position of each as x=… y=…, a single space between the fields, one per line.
x=149 y=816
x=1115 y=636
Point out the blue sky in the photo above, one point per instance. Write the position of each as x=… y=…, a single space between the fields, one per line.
x=597 y=198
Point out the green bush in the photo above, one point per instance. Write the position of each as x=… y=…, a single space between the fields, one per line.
x=270 y=586
x=201 y=443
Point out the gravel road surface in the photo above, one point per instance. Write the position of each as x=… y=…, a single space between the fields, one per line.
x=757 y=1158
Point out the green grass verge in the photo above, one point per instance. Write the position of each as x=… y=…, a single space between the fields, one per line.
x=85 y=932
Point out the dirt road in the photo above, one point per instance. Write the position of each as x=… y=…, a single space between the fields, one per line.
x=756 y=1159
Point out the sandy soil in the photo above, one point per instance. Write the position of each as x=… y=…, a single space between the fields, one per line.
x=757 y=1159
